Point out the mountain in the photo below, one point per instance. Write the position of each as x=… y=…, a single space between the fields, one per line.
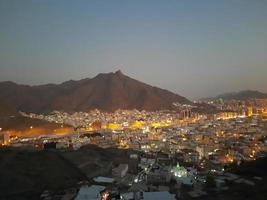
x=242 y=95
x=106 y=92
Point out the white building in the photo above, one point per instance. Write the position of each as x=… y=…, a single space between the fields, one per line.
x=183 y=175
x=101 y=179
x=92 y=192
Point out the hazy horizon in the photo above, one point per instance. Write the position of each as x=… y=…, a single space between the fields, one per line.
x=192 y=48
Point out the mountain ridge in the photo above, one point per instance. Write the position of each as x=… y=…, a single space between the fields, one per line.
x=240 y=95
x=105 y=91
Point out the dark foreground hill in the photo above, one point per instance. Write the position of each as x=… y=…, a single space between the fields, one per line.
x=26 y=174
x=106 y=92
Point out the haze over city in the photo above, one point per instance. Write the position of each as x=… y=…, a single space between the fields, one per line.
x=193 y=48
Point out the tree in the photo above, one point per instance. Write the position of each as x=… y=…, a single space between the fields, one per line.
x=210 y=181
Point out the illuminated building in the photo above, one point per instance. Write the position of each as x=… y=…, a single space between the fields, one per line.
x=227 y=115
x=4 y=138
x=179 y=171
x=249 y=111
x=114 y=126
x=96 y=125
x=181 y=174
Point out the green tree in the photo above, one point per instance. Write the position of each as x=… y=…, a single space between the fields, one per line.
x=210 y=181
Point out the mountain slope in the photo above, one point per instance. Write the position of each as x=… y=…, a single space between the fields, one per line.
x=242 y=95
x=245 y=94
x=106 y=92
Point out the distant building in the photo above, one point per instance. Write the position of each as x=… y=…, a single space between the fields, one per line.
x=133 y=163
x=120 y=171
x=159 y=176
x=127 y=196
x=179 y=171
x=4 y=138
x=191 y=157
x=183 y=175
x=50 y=145
x=96 y=125
x=249 y=111
x=61 y=145
x=185 y=113
x=105 y=180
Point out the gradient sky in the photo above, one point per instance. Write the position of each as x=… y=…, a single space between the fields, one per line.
x=194 y=48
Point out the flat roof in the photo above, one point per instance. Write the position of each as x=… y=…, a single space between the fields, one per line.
x=158 y=196
x=101 y=179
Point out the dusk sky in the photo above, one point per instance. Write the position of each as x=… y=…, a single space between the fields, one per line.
x=191 y=47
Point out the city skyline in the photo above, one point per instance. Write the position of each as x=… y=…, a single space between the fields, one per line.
x=195 y=49
x=133 y=100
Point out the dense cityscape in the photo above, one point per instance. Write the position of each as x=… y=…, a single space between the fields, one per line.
x=133 y=100
x=165 y=146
